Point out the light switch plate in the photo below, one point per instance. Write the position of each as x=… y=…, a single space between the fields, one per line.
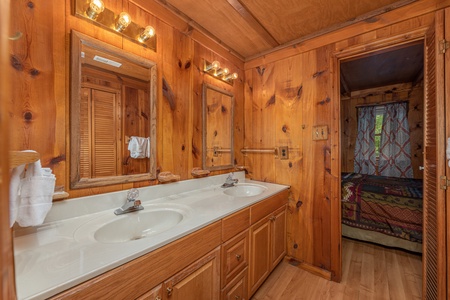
x=320 y=133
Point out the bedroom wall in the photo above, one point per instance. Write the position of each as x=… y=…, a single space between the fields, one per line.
x=290 y=91
x=349 y=123
x=40 y=71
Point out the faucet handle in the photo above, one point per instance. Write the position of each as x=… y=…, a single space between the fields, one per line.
x=132 y=194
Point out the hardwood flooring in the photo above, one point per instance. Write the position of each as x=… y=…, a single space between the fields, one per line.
x=368 y=272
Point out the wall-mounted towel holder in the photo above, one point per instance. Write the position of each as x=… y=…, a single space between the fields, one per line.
x=17 y=158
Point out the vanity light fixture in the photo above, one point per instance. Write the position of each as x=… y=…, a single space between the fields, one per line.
x=123 y=20
x=95 y=8
x=96 y=13
x=216 y=71
x=146 y=33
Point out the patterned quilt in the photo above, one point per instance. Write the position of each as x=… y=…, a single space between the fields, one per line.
x=388 y=205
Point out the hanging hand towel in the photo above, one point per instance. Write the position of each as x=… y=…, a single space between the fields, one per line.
x=36 y=195
x=138 y=147
x=148 y=148
x=14 y=198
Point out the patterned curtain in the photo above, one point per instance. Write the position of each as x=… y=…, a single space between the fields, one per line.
x=365 y=158
x=395 y=148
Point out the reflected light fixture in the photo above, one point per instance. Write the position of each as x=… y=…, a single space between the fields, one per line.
x=123 y=20
x=215 y=65
x=231 y=76
x=146 y=33
x=95 y=8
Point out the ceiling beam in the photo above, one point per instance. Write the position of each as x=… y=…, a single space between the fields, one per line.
x=253 y=22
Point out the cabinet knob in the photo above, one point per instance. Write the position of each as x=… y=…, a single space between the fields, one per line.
x=158 y=298
x=169 y=292
x=272 y=218
x=236 y=297
x=238 y=256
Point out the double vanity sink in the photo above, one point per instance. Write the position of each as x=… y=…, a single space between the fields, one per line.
x=83 y=238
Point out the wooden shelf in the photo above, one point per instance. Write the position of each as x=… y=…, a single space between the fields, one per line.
x=17 y=158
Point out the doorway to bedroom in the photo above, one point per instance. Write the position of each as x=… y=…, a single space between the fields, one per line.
x=381 y=113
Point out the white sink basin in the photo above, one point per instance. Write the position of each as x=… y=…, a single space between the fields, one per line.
x=154 y=219
x=245 y=190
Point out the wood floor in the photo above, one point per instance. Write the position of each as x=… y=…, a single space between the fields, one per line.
x=368 y=272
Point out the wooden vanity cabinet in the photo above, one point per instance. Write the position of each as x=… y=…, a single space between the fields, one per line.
x=200 y=280
x=228 y=260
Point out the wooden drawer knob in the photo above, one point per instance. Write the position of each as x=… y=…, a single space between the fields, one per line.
x=238 y=256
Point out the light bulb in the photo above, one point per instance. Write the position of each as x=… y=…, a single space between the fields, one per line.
x=95 y=8
x=223 y=72
x=213 y=66
x=147 y=33
x=123 y=21
x=231 y=76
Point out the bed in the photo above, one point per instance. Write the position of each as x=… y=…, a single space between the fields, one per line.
x=383 y=210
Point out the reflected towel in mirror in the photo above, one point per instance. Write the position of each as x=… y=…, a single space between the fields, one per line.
x=139 y=147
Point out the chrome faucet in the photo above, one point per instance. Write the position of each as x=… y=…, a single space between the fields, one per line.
x=229 y=182
x=131 y=204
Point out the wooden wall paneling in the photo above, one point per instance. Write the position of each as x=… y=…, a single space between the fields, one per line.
x=37 y=110
x=177 y=71
x=289 y=99
x=8 y=286
x=248 y=120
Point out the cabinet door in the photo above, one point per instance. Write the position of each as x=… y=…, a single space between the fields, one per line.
x=237 y=289
x=199 y=281
x=278 y=230
x=260 y=260
x=153 y=294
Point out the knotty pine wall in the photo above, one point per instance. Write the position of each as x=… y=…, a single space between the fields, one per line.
x=40 y=71
x=287 y=93
x=349 y=124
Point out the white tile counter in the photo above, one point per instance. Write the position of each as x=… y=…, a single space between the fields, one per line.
x=63 y=252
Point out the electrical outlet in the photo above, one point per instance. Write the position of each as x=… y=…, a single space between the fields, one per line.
x=283 y=152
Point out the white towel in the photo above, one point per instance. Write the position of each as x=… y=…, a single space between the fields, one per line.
x=148 y=147
x=138 y=147
x=14 y=199
x=36 y=195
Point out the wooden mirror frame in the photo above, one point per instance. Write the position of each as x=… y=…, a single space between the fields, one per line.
x=207 y=86
x=76 y=182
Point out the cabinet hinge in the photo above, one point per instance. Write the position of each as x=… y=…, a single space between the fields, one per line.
x=444 y=183
x=444 y=46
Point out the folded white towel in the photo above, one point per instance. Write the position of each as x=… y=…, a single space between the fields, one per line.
x=14 y=198
x=138 y=147
x=36 y=195
x=148 y=148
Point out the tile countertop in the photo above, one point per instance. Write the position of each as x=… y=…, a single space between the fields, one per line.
x=62 y=252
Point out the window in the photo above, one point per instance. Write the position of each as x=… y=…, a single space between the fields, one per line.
x=379 y=112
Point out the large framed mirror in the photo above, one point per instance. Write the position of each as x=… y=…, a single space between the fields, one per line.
x=218 y=113
x=112 y=115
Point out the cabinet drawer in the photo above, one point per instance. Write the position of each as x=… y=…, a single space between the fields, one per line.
x=237 y=289
x=268 y=206
x=235 y=223
x=234 y=257
x=153 y=294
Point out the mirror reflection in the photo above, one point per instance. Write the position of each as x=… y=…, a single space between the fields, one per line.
x=217 y=128
x=113 y=115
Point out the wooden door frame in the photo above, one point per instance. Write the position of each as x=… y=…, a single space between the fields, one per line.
x=337 y=57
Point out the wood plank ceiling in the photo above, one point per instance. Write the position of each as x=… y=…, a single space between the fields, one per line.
x=251 y=28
